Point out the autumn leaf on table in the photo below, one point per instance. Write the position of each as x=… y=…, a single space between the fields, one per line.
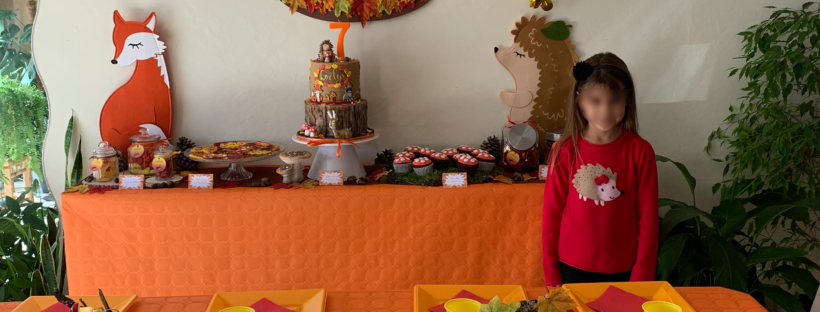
x=376 y=175
x=308 y=184
x=77 y=188
x=99 y=189
x=281 y=186
x=557 y=300
x=502 y=178
x=495 y=305
x=228 y=185
x=342 y=6
x=365 y=9
x=528 y=176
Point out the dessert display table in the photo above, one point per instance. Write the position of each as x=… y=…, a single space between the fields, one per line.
x=705 y=299
x=326 y=160
x=177 y=242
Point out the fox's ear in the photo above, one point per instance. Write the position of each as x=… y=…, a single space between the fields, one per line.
x=118 y=18
x=151 y=21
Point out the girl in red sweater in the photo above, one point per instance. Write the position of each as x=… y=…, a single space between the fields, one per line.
x=601 y=198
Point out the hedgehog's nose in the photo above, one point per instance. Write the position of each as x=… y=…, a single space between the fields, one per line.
x=114 y=62
x=622 y=192
x=496 y=49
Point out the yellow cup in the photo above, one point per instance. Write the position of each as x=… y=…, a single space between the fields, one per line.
x=660 y=306
x=237 y=309
x=462 y=305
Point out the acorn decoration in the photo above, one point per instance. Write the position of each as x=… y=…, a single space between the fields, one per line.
x=181 y=162
x=385 y=157
x=493 y=146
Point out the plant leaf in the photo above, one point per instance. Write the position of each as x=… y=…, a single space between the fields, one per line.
x=729 y=264
x=683 y=170
x=782 y=298
x=766 y=254
x=47 y=262
x=77 y=167
x=557 y=31
x=557 y=300
x=734 y=214
x=495 y=305
x=678 y=215
x=802 y=277
x=766 y=216
x=502 y=178
x=669 y=254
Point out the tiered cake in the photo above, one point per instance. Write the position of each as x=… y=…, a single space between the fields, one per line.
x=335 y=108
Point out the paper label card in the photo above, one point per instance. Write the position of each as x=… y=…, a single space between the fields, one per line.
x=454 y=180
x=542 y=172
x=132 y=182
x=200 y=181
x=331 y=178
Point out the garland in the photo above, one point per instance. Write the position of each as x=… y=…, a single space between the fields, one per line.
x=319 y=81
x=365 y=10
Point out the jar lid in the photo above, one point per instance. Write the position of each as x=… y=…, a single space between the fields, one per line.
x=144 y=137
x=553 y=135
x=104 y=149
x=522 y=137
x=163 y=151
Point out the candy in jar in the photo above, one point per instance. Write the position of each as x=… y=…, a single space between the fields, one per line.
x=141 y=152
x=104 y=163
x=163 y=163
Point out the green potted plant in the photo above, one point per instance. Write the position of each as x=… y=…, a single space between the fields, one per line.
x=23 y=121
x=735 y=248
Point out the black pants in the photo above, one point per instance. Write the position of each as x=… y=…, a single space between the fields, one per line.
x=571 y=275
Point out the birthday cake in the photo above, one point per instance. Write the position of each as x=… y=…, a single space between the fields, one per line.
x=335 y=109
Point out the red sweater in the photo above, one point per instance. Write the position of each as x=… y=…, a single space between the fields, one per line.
x=595 y=224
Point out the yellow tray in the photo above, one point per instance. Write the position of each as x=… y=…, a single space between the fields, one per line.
x=658 y=291
x=303 y=300
x=40 y=303
x=428 y=296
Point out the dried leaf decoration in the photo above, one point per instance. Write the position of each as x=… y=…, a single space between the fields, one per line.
x=328 y=6
x=380 y=175
x=557 y=300
x=528 y=177
x=502 y=178
x=342 y=6
x=365 y=9
x=295 y=5
x=495 y=305
x=308 y=184
x=83 y=188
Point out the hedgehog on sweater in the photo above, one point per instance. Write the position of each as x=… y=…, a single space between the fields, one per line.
x=597 y=183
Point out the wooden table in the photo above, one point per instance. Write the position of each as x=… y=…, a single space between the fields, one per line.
x=702 y=299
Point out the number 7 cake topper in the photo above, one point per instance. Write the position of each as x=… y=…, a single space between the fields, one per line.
x=146 y=97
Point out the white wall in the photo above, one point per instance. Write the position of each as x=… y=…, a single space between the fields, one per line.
x=238 y=69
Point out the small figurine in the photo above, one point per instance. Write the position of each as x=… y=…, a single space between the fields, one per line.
x=338 y=133
x=317 y=93
x=348 y=97
x=326 y=52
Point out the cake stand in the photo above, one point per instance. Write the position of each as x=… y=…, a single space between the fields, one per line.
x=236 y=172
x=325 y=158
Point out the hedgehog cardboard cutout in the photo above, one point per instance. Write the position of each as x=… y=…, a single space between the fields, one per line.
x=540 y=60
x=146 y=97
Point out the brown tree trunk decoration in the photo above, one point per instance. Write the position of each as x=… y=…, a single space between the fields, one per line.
x=349 y=116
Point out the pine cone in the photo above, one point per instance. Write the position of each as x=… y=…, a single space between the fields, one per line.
x=493 y=146
x=385 y=157
x=123 y=164
x=181 y=162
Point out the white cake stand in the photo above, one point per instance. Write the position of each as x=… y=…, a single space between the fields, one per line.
x=325 y=158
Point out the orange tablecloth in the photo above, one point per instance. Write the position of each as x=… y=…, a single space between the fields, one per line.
x=702 y=299
x=179 y=242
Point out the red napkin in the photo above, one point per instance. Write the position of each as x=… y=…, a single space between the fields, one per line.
x=265 y=305
x=57 y=307
x=615 y=299
x=461 y=294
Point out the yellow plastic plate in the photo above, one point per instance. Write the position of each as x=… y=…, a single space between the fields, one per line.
x=303 y=300
x=40 y=303
x=428 y=296
x=656 y=291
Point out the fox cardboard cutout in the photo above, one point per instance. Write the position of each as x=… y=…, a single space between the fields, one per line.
x=146 y=97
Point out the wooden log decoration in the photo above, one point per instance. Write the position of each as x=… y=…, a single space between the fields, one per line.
x=348 y=116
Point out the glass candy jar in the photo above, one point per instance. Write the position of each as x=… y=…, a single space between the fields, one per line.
x=163 y=163
x=141 y=152
x=520 y=149
x=104 y=163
